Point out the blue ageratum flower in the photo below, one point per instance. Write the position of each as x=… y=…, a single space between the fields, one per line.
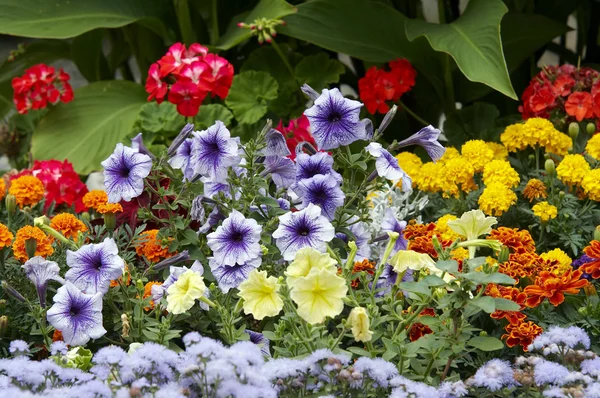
x=213 y=152
x=93 y=266
x=236 y=241
x=305 y=228
x=230 y=276
x=77 y=315
x=308 y=166
x=281 y=169
x=427 y=137
x=41 y=271
x=334 y=120
x=124 y=173
x=387 y=165
x=323 y=191
x=391 y=224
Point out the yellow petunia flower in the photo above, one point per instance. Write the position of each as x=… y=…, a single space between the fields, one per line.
x=359 y=321
x=261 y=295
x=319 y=295
x=305 y=260
x=183 y=294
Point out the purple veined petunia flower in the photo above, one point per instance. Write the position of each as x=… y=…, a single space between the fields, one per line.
x=282 y=170
x=388 y=278
x=237 y=240
x=178 y=258
x=213 y=218
x=181 y=137
x=260 y=340
x=304 y=228
x=323 y=191
x=212 y=188
x=197 y=212
x=334 y=120
x=391 y=224
x=308 y=166
x=77 y=315
x=284 y=204
x=230 y=276
x=93 y=266
x=361 y=238
x=387 y=165
x=181 y=160
x=137 y=144
x=310 y=92
x=213 y=152
x=40 y=271
x=276 y=145
x=427 y=137
x=124 y=173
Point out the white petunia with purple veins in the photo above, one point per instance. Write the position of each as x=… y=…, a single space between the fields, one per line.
x=124 y=173
x=214 y=152
x=236 y=240
x=41 y=271
x=281 y=169
x=308 y=166
x=427 y=137
x=387 y=165
x=323 y=191
x=391 y=224
x=230 y=276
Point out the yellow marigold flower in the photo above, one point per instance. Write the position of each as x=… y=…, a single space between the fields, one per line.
x=450 y=153
x=592 y=147
x=410 y=163
x=319 y=295
x=6 y=237
x=500 y=171
x=591 y=184
x=535 y=189
x=306 y=259
x=2 y=188
x=443 y=230
x=563 y=259
x=514 y=138
x=500 y=151
x=43 y=247
x=572 y=169
x=538 y=130
x=261 y=295
x=109 y=208
x=558 y=143
x=430 y=178
x=477 y=153
x=151 y=247
x=545 y=211
x=93 y=199
x=182 y=295
x=68 y=225
x=456 y=175
x=359 y=322
x=496 y=199
x=460 y=253
x=28 y=190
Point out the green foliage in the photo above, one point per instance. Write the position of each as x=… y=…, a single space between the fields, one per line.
x=250 y=94
x=318 y=71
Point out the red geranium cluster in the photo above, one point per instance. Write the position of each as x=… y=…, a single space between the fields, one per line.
x=188 y=75
x=297 y=131
x=563 y=92
x=380 y=85
x=61 y=183
x=39 y=86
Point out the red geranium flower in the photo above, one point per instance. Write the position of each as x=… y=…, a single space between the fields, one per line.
x=379 y=86
x=155 y=86
x=220 y=77
x=187 y=96
x=579 y=104
x=178 y=55
x=39 y=86
x=543 y=99
x=297 y=131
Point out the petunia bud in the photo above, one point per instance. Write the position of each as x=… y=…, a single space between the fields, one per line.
x=597 y=233
x=11 y=204
x=40 y=221
x=30 y=247
x=3 y=325
x=181 y=137
x=550 y=167
x=573 y=130
x=139 y=285
x=590 y=128
x=110 y=221
x=387 y=119
x=176 y=259
x=12 y=291
x=503 y=255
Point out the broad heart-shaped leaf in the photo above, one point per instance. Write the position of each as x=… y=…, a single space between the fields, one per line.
x=486 y=343
x=209 y=114
x=160 y=118
x=486 y=303
x=269 y=9
x=473 y=40
x=86 y=130
x=318 y=71
x=249 y=95
x=43 y=51
x=63 y=19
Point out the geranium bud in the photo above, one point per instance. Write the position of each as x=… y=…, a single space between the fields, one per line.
x=573 y=130
x=30 y=247
x=550 y=167
x=12 y=291
x=590 y=128
x=3 y=325
x=597 y=233
x=110 y=221
x=11 y=204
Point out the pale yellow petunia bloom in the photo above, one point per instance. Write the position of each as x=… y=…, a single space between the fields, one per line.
x=359 y=321
x=261 y=295
x=182 y=294
x=306 y=259
x=319 y=295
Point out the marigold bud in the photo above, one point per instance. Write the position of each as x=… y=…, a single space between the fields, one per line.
x=30 y=247
x=590 y=290
x=110 y=221
x=597 y=233
x=3 y=325
x=590 y=128
x=42 y=220
x=503 y=255
x=11 y=204
x=550 y=167
x=85 y=216
x=573 y=130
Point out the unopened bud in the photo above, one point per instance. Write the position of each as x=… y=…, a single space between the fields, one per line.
x=30 y=247
x=483 y=333
x=597 y=233
x=11 y=204
x=503 y=255
x=583 y=311
x=3 y=325
x=110 y=221
x=139 y=285
x=590 y=290
x=573 y=130
x=85 y=216
x=550 y=167
x=2 y=304
x=12 y=291
x=387 y=119
x=590 y=128
x=42 y=220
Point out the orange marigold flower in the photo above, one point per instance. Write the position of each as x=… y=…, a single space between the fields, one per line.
x=519 y=240
x=521 y=334
x=417 y=329
x=2 y=188
x=360 y=266
x=28 y=190
x=509 y=293
x=68 y=225
x=420 y=238
x=109 y=208
x=148 y=293
x=535 y=189
x=151 y=247
x=93 y=199
x=44 y=243
x=520 y=265
x=548 y=285
x=592 y=251
x=57 y=336
x=6 y=237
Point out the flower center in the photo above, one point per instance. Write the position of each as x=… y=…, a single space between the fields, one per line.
x=334 y=117
x=303 y=230
x=237 y=236
x=123 y=171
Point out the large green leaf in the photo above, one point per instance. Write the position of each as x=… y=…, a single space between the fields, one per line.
x=318 y=71
x=269 y=9
x=45 y=51
x=62 y=19
x=473 y=40
x=210 y=113
x=86 y=130
x=88 y=55
x=250 y=94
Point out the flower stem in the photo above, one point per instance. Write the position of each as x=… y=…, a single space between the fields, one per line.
x=413 y=114
x=215 y=23
x=284 y=59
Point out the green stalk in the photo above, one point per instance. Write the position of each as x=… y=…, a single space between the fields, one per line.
x=182 y=10
x=413 y=114
x=284 y=59
x=214 y=33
